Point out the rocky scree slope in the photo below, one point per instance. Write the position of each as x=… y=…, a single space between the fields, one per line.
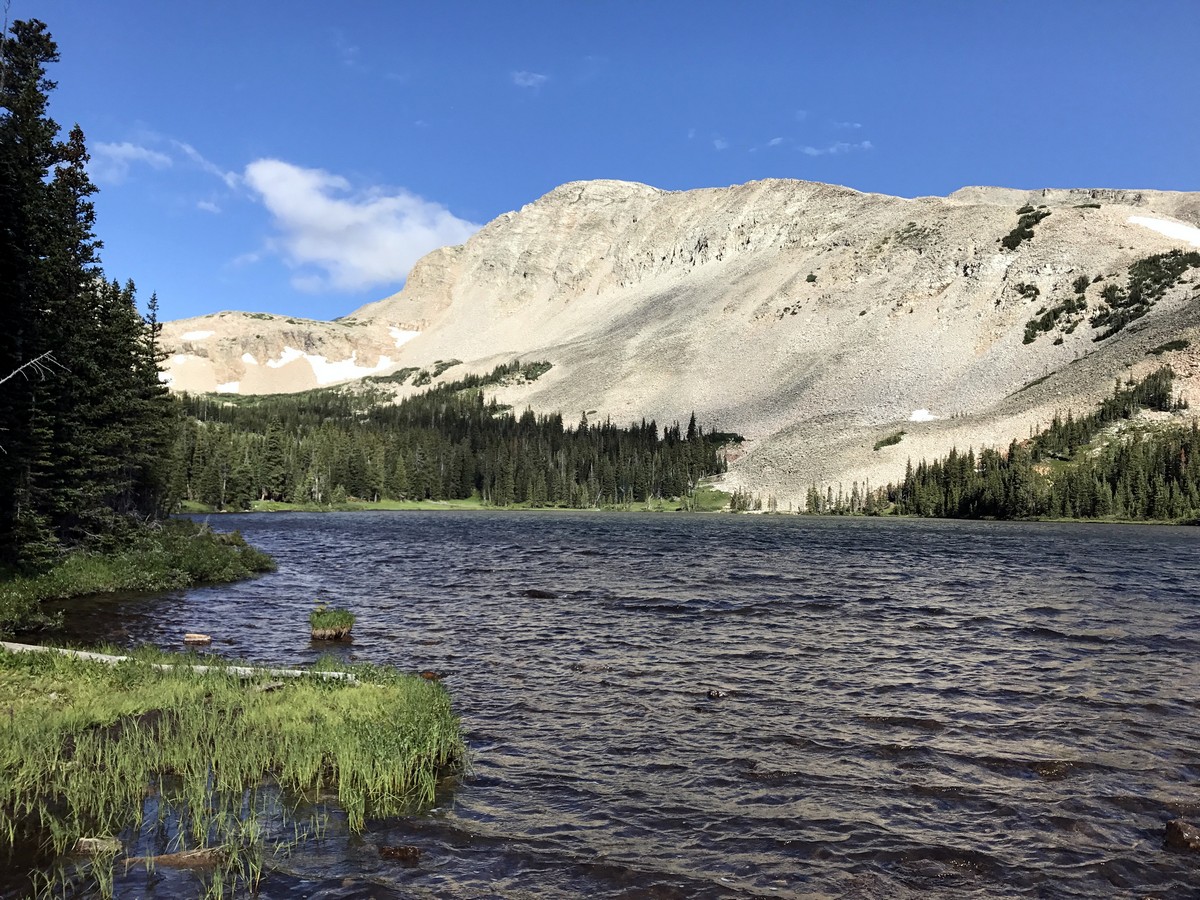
x=813 y=319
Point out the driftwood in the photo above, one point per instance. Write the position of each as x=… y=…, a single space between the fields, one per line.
x=205 y=858
x=242 y=671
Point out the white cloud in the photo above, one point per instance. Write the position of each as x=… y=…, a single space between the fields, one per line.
x=847 y=125
x=775 y=142
x=836 y=148
x=205 y=165
x=348 y=53
x=207 y=206
x=719 y=143
x=355 y=239
x=529 y=79
x=111 y=162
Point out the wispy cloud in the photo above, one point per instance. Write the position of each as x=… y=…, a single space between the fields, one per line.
x=719 y=143
x=207 y=206
x=775 y=142
x=529 y=79
x=348 y=54
x=111 y=162
x=346 y=239
x=801 y=115
x=231 y=179
x=850 y=125
x=836 y=148
x=691 y=133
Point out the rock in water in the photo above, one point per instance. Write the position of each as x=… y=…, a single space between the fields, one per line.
x=91 y=846
x=404 y=854
x=1183 y=835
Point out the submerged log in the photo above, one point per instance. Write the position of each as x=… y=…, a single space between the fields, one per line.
x=205 y=858
x=241 y=671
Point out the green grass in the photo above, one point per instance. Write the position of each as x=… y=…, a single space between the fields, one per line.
x=164 y=761
x=330 y=624
x=706 y=499
x=889 y=441
x=363 y=505
x=178 y=553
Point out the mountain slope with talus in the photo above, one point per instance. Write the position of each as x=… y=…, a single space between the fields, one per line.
x=813 y=319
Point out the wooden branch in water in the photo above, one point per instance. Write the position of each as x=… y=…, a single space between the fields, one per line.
x=243 y=671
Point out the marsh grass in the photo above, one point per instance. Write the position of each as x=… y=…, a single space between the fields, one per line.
x=167 y=761
x=330 y=624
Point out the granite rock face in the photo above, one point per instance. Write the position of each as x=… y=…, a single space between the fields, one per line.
x=811 y=318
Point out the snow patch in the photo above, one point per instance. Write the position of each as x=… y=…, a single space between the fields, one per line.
x=290 y=354
x=921 y=415
x=179 y=359
x=166 y=377
x=248 y=359
x=400 y=336
x=196 y=335
x=229 y=387
x=1188 y=233
x=328 y=372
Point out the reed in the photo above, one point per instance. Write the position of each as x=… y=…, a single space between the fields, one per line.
x=165 y=761
x=330 y=624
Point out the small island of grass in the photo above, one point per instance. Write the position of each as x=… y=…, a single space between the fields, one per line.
x=330 y=624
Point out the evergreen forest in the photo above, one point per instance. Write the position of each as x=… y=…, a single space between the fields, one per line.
x=450 y=442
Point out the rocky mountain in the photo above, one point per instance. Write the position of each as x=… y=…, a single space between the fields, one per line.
x=813 y=319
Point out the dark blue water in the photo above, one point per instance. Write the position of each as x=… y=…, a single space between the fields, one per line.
x=909 y=708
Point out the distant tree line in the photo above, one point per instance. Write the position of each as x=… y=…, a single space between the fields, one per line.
x=449 y=442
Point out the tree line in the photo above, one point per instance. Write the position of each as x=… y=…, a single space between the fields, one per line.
x=450 y=442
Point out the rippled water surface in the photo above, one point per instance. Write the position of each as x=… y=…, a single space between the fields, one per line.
x=909 y=708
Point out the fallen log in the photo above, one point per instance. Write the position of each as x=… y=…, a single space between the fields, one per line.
x=241 y=671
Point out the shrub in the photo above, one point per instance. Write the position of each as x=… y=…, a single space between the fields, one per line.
x=890 y=440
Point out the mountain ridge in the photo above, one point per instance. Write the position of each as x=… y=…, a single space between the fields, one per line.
x=809 y=317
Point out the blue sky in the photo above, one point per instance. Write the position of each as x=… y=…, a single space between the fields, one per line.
x=297 y=157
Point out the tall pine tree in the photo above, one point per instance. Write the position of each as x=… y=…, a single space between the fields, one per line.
x=86 y=448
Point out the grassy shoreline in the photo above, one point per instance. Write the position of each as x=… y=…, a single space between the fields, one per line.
x=148 y=761
x=706 y=500
x=177 y=554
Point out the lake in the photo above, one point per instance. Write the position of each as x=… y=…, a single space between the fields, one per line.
x=898 y=709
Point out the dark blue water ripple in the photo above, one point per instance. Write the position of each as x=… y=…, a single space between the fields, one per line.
x=909 y=709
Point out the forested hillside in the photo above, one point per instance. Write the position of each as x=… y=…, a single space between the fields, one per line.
x=1065 y=471
x=324 y=447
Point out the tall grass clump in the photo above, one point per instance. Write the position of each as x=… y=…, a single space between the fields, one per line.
x=162 y=761
x=330 y=624
x=178 y=553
